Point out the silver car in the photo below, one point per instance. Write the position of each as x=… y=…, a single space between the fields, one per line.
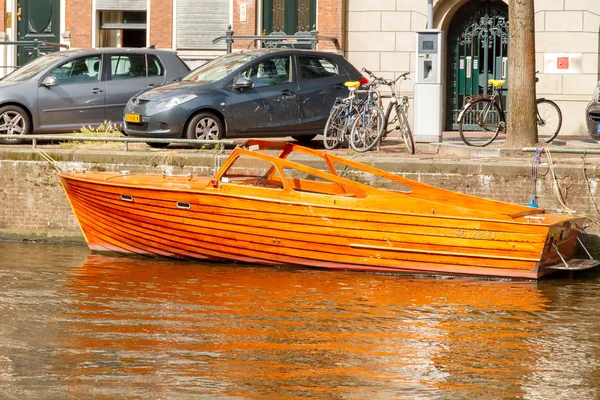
x=62 y=91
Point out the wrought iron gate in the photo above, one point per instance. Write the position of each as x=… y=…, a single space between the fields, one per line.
x=477 y=51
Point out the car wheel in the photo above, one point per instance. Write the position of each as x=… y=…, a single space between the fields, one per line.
x=155 y=145
x=205 y=126
x=304 y=138
x=14 y=121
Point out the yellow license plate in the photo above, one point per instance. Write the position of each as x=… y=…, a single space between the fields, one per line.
x=133 y=118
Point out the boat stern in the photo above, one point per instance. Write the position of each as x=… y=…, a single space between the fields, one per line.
x=563 y=245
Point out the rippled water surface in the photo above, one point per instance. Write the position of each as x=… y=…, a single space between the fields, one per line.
x=75 y=325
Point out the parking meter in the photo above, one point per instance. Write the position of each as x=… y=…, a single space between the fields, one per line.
x=428 y=103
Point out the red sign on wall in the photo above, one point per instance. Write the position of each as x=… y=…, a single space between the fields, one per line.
x=562 y=63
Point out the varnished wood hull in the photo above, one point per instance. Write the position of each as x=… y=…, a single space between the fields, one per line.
x=126 y=218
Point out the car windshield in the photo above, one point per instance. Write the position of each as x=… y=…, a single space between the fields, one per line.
x=30 y=69
x=219 y=68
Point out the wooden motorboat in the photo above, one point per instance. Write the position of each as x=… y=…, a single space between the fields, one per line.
x=277 y=203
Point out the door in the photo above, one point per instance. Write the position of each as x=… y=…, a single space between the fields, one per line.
x=477 y=52
x=129 y=74
x=270 y=106
x=37 y=19
x=77 y=99
x=320 y=82
x=289 y=16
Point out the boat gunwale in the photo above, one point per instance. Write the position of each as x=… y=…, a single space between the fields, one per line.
x=298 y=202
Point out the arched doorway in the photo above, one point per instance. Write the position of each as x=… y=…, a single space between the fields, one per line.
x=477 y=51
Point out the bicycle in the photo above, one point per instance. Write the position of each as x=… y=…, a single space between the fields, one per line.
x=487 y=115
x=342 y=116
x=397 y=109
x=369 y=126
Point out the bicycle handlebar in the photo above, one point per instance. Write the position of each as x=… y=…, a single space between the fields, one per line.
x=383 y=81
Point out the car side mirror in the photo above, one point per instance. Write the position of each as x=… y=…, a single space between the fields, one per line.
x=243 y=83
x=48 y=81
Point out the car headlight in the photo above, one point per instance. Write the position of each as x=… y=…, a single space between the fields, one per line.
x=175 y=101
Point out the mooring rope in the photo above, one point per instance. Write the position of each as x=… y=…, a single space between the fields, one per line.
x=587 y=183
x=54 y=164
x=557 y=191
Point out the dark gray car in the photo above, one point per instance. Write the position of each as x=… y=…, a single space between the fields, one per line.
x=258 y=93
x=62 y=91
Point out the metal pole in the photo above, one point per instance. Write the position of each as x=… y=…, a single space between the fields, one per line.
x=229 y=39
x=429 y=14
x=36 y=44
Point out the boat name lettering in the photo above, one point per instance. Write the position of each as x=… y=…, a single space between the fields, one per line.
x=475 y=234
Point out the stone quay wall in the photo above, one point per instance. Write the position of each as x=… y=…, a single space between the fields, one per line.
x=35 y=207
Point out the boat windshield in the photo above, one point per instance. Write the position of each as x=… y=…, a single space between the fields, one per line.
x=219 y=68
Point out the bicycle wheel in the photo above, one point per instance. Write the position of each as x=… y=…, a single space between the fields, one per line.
x=480 y=123
x=367 y=129
x=399 y=122
x=335 y=128
x=549 y=119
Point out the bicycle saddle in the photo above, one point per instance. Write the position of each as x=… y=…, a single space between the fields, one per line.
x=352 y=84
x=496 y=83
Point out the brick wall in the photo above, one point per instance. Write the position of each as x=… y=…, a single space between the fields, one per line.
x=2 y=15
x=39 y=207
x=161 y=23
x=80 y=21
x=67 y=12
x=330 y=22
x=244 y=28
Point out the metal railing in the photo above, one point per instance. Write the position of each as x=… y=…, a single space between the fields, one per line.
x=126 y=140
x=278 y=40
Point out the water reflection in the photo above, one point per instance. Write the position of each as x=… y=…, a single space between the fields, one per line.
x=121 y=327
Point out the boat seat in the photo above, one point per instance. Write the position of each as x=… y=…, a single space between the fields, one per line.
x=496 y=83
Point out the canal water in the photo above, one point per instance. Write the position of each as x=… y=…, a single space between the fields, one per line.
x=74 y=325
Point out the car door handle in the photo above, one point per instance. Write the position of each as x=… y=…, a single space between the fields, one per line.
x=339 y=86
x=97 y=91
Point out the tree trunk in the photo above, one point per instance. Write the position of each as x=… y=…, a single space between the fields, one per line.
x=522 y=125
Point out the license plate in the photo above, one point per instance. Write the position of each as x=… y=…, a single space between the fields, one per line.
x=598 y=129
x=133 y=118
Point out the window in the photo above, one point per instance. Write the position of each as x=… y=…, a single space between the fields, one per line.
x=131 y=66
x=197 y=23
x=122 y=29
x=79 y=70
x=218 y=68
x=30 y=69
x=155 y=68
x=316 y=67
x=269 y=72
x=289 y=16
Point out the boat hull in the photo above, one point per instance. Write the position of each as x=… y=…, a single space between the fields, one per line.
x=188 y=222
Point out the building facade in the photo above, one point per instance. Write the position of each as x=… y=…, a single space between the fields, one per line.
x=375 y=34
